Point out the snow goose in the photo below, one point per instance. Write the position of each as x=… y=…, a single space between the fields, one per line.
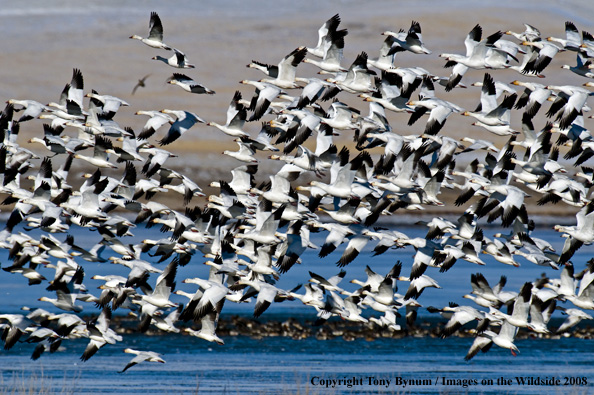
x=485 y=295
x=67 y=323
x=413 y=41
x=33 y=276
x=327 y=28
x=583 y=66
x=264 y=95
x=532 y=98
x=292 y=247
x=502 y=252
x=546 y=52
x=333 y=52
x=53 y=142
x=374 y=279
x=393 y=91
x=339 y=116
x=458 y=317
x=155 y=161
x=572 y=40
x=102 y=148
x=242 y=180
x=177 y=60
x=279 y=191
x=139 y=270
x=585 y=298
x=267 y=222
x=506 y=201
x=574 y=317
x=385 y=60
x=358 y=79
x=489 y=94
x=70 y=104
x=519 y=316
x=155 y=36
x=354 y=247
x=155 y=121
x=496 y=121
x=111 y=104
x=540 y=314
x=188 y=84
x=311 y=92
x=32 y=108
x=582 y=233
x=565 y=285
x=334 y=305
x=479 y=54
x=503 y=339
x=572 y=100
x=344 y=214
x=236 y=117
x=166 y=324
x=438 y=109
x=384 y=290
x=418 y=285
x=388 y=320
x=287 y=69
x=100 y=334
x=263 y=263
x=208 y=327
x=244 y=154
x=75 y=90
x=387 y=239
x=314 y=296
x=17 y=326
x=209 y=298
x=184 y=121
x=267 y=294
x=141 y=356
x=336 y=236
x=165 y=285
x=530 y=33
x=330 y=284
x=587 y=47
x=187 y=188
x=342 y=176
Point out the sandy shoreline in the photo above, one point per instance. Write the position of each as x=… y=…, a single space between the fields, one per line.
x=44 y=46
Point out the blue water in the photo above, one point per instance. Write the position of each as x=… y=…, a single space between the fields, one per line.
x=14 y=293
x=245 y=365
x=272 y=365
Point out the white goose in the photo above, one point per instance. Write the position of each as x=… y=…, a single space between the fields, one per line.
x=141 y=356
x=155 y=36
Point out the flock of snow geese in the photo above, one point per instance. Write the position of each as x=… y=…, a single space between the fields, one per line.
x=252 y=234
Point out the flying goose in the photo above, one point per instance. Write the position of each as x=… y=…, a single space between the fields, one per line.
x=184 y=121
x=188 y=84
x=141 y=356
x=412 y=41
x=177 y=60
x=155 y=36
x=236 y=117
x=327 y=28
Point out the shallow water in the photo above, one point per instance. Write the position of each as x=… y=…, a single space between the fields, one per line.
x=272 y=365
x=246 y=365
